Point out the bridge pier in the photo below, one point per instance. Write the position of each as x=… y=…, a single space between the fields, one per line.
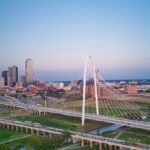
x=32 y=131
x=73 y=140
x=37 y=132
x=26 y=130
x=91 y=144
x=120 y=147
x=39 y=113
x=82 y=142
x=100 y=146
x=8 y=126
x=110 y=147
x=16 y=128
x=115 y=147
x=105 y=145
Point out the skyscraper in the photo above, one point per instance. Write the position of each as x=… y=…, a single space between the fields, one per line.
x=23 y=80
x=5 y=76
x=29 y=70
x=12 y=76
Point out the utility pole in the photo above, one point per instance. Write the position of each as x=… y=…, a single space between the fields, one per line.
x=45 y=97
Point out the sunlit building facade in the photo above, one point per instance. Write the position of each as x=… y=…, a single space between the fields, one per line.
x=12 y=77
x=29 y=70
x=130 y=89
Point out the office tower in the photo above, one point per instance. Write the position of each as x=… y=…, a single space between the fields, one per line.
x=5 y=76
x=29 y=70
x=23 y=80
x=1 y=81
x=12 y=77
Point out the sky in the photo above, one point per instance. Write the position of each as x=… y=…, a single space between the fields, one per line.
x=59 y=34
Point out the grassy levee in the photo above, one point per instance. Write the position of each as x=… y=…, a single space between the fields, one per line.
x=139 y=131
x=133 y=137
x=62 y=122
x=130 y=134
x=110 y=134
x=52 y=121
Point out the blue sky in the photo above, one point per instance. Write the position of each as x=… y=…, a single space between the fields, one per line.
x=59 y=34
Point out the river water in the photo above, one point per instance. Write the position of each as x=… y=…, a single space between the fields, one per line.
x=105 y=129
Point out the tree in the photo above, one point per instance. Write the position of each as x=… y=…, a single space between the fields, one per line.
x=66 y=136
x=4 y=147
x=45 y=143
x=35 y=142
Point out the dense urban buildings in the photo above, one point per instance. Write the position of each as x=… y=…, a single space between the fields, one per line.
x=10 y=76
x=5 y=76
x=29 y=70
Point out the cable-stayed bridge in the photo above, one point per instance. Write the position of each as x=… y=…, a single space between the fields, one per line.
x=104 y=104
x=40 y=110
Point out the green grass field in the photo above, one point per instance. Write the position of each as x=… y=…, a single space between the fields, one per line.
x=6 y=135
x=131 y=134
x=62 y=122
x=52 y=121
x=15 y=145
x=135 y=138
x=139 y=131
x=110 y=134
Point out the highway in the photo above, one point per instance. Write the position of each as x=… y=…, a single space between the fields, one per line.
x=110 y=141
x=99 y=139
x=115 y=120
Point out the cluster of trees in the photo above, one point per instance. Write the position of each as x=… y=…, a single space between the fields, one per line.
x=53 y=93
x=56 y=93
x=42 y=142
x=73 y=97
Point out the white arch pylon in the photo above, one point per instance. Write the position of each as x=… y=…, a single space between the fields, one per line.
x=84 y=88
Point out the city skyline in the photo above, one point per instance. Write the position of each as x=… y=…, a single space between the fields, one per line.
x=58 y=35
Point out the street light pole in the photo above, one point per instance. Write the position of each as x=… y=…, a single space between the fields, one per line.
x=45 y=98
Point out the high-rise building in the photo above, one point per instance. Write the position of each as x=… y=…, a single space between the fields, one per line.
x=5 y=76
x=12 y=77
x=29 y=70
x=23 y=80
x=1 y=82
